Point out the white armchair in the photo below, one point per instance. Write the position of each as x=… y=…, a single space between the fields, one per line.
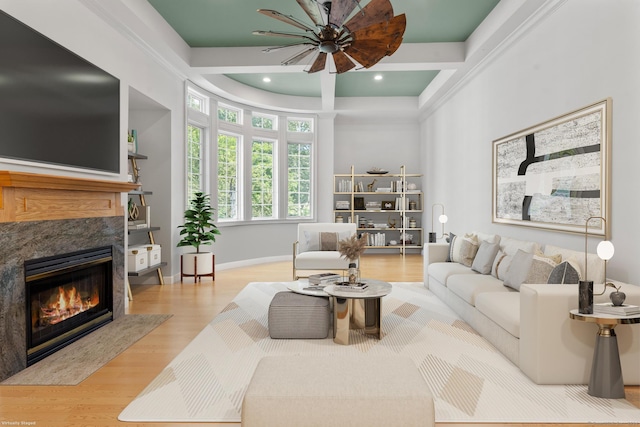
x=316 y=247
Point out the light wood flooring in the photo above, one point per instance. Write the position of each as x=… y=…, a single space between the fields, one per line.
x=99 y=399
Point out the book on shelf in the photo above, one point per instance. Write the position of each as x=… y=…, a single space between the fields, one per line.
x=621 y=310
x=323 y=278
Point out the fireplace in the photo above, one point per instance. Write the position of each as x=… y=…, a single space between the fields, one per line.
x=67 y=297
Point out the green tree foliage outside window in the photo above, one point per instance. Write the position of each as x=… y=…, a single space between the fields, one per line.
x=194 y=161
x=262 y=179
x=227 y=176
x=299 y=180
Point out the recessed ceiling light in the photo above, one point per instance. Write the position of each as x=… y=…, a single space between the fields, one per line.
x=266 y=79
x=378 y=77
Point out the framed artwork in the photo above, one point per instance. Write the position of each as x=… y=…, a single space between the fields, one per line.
x=555 y=175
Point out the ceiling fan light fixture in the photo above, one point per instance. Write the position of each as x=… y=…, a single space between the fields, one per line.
x=372 y=33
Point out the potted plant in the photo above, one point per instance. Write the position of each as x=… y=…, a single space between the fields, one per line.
x=198 y=229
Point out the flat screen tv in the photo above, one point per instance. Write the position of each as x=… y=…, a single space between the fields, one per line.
x=55 y=107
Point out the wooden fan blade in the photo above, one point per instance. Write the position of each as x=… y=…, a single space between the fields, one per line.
x=375 y=11
x=340 y=9
x=275 y=48
x=279 y=34
x=319 y=63
x=285 y=18
x=390 y=30
x=298 y=57
x=312 y=9
x=368 y=52
x=342 y=61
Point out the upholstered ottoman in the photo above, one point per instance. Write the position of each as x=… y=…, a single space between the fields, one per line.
x=293 y=315
x=326 y=391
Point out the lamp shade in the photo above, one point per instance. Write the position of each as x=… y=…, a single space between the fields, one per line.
x=605 y=250
x=443 y=218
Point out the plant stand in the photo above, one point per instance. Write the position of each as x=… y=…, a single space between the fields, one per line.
x=198 y=277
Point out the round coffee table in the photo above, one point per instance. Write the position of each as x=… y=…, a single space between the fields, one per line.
x=303 y=287
x=357 y=309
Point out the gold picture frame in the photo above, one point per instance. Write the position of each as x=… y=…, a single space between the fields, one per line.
x=555 y=175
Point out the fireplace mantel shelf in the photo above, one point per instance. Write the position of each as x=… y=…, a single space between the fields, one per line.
x=33 y=197
x=54 y=182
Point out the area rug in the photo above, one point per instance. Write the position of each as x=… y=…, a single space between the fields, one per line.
x=77 y=361
x=470 y=380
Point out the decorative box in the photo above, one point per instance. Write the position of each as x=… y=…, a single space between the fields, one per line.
x=137 y=258
x=154 y=253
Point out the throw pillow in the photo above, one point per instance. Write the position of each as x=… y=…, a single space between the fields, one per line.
x=328 y=241
x=496 y=263
x=541 y=267
x=464 y=249
x=452 y=238
x=483 y=261
x=567 y=272
x=518 y=270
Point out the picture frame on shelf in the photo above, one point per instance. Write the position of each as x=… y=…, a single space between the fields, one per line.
x=556 y=174
x=389 y=205
x=358 y=203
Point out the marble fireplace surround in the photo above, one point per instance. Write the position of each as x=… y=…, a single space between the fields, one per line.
x=44 y=215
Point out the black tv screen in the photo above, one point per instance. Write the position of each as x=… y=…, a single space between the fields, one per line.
x=55 y=107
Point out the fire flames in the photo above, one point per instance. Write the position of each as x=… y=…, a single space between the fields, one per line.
x=66 y=303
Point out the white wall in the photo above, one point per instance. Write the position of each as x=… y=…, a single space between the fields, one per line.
x=585 y=51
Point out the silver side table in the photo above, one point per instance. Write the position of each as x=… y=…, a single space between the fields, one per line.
x=357 y=310
x=606 y=372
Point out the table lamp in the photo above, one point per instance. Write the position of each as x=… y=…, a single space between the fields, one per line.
x=605 y=251
x=442 y=219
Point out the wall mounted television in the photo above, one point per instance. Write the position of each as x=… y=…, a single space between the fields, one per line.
x=55 y=107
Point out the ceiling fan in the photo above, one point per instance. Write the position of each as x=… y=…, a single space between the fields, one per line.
x=367 y=37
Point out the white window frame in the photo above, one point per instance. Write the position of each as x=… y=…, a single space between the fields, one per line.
x=281 y=137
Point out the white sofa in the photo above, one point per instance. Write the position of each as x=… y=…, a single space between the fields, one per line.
x=532 y=326
x=309 y=253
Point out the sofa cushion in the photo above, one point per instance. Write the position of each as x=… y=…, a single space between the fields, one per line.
x=484 y=237
x=321 y=260
x=440 y=271
x=468 y=286
x=463 y=249
x=518 y=269
x=595 y=266
x=503 y=308
x=483 y=261
x=565 y=273
x=322 y=240
x=510 y=246
x=500 y=265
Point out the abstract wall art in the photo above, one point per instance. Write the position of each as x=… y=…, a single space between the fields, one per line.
x=555 y=175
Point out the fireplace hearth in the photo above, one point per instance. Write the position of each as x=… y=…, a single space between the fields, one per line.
x=67 y=297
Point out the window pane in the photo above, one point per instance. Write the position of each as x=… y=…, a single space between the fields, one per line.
x=264 y=121
x=300 y=125
x=299 y=183
x=230 y=115
x=195 y=102
x=194 y=158
x=227 y=176
x=262 y=179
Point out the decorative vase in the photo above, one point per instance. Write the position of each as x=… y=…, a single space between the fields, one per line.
x=353 y=273
x=585 y=296
x=617 y=298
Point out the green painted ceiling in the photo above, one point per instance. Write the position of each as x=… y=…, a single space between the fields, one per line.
x=229 y=23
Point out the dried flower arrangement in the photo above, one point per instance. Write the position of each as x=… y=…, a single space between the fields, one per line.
x=352 y=247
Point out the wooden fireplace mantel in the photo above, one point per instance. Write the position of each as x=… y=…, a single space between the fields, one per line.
x=35 y=197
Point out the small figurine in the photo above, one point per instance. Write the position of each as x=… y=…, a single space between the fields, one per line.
x=370 y=186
